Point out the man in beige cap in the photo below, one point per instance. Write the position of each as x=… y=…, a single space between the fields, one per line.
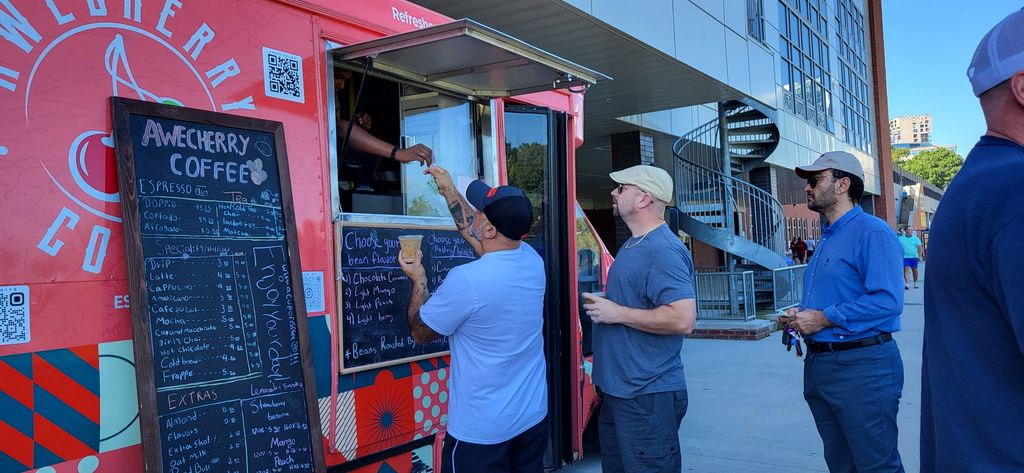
x=852 y=301
x=972 y=387
x=639 y=328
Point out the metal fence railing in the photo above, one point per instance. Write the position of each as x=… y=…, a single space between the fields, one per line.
x=788 y=286
x=725 y=296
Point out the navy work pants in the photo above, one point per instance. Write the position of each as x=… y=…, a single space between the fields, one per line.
x=641 y=435
x=524 y=453
x=854 y=396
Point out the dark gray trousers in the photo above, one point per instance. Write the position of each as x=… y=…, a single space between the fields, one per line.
x=641 y=435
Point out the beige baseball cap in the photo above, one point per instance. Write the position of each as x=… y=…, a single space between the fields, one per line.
x=840 y=160
x=649 y=178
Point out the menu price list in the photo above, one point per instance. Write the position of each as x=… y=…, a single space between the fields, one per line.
x=264 y=434
x=375 y=292
x=204 y=319
x=185 y=216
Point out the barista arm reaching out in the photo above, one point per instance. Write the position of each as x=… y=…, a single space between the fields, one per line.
x=461 y=211
x=364 y=141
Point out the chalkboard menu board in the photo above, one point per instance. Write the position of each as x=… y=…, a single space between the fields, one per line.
x=375 y=292
x=223 y=365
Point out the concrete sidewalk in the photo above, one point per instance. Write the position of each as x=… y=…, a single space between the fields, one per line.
x=747 y=412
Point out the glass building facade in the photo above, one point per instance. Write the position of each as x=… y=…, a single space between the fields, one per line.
x=816 y=84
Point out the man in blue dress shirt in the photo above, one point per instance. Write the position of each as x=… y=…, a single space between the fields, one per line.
x=853 y=374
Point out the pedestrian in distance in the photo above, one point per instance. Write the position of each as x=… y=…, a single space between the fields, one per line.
x=638 y=331
x=801 y=250
x=491 y=310
x=853 y=372
x=972 y=376
x=913 y=251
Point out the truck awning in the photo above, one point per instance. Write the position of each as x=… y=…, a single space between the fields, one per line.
x=469 y=58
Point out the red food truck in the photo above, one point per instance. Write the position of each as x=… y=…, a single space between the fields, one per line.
x=488 y=105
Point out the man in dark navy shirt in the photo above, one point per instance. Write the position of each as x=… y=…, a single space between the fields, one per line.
x=853 y=298
x=972 y=388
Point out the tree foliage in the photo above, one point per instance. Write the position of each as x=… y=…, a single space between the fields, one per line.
x=937 y=166
x=900 y=153
x=421 y=207
x=526 y=164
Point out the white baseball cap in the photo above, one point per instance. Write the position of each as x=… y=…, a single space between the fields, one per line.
x=649 y=178
x=1000 y=54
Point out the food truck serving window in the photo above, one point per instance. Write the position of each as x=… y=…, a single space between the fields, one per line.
x=401 y=116
x=429 y=88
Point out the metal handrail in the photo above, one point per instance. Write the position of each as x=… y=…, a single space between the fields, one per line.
x=725 y=295
x=787 y=287
x=702 y=187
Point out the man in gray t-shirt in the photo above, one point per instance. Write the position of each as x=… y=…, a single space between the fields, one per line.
x=638 y=331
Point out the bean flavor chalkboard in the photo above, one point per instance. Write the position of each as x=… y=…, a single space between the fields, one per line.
x=375 y=292
x=223 y=366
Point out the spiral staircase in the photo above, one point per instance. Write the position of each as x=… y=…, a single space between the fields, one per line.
x=717 y=206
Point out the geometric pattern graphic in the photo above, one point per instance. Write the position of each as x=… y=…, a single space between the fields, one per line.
x=430 y=399
x=384 y=413
x=49 y=407
x=119 y=405
x=346 y=441
x=423 y=459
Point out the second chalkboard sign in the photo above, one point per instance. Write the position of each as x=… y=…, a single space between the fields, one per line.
x=375 y=292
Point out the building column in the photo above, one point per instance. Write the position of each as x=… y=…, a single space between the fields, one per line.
x=885 y=204
x=629 y=149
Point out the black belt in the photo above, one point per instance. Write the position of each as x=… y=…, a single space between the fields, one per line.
x=821 y=347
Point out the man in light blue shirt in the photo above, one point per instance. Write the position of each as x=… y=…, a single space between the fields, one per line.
x=853 y=374
x=912 y=253
x=492 y=311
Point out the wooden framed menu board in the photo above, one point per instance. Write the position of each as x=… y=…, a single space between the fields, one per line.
x=375 y=292
x=223 y=366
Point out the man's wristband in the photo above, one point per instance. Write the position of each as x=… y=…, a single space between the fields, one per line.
x=393 y=151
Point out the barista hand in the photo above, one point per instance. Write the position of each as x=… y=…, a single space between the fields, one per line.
x=441 y=177
x=416 y=152
x=413 y=270
x=363 y=120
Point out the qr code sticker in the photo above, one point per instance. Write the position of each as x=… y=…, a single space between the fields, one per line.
x=313 y=289
x=282 y=75
x=14 y=307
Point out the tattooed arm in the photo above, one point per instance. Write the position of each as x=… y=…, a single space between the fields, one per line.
x=421 y=332
x=461 y=211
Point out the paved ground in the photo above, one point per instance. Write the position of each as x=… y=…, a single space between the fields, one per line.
x=747 y=413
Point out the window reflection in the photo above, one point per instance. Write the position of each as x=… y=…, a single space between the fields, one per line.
x=588 y=263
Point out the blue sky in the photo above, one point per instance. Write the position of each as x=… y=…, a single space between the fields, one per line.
x=928 y=46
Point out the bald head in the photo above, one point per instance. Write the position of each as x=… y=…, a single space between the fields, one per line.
x=1003 y=106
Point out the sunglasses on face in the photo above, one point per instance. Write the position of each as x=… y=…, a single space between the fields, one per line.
x=813 y=180
x=622 y=188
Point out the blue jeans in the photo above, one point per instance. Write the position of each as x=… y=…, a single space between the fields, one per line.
x=854 y=396
x=641 y=435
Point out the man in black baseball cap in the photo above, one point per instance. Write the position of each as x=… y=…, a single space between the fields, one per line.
x=491 y=310
x=505 y=207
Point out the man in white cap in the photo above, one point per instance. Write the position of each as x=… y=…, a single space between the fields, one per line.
x=852 y=301
x=638 y=331
x=972 y=389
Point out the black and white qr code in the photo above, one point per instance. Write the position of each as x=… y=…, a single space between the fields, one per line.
x=282 y=74
x=14 y=315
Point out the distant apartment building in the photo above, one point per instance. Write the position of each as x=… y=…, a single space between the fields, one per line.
x=911 y=129
x=916 y=200
x=920 y=148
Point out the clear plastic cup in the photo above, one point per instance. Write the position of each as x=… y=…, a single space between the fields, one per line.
x=409 y=244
